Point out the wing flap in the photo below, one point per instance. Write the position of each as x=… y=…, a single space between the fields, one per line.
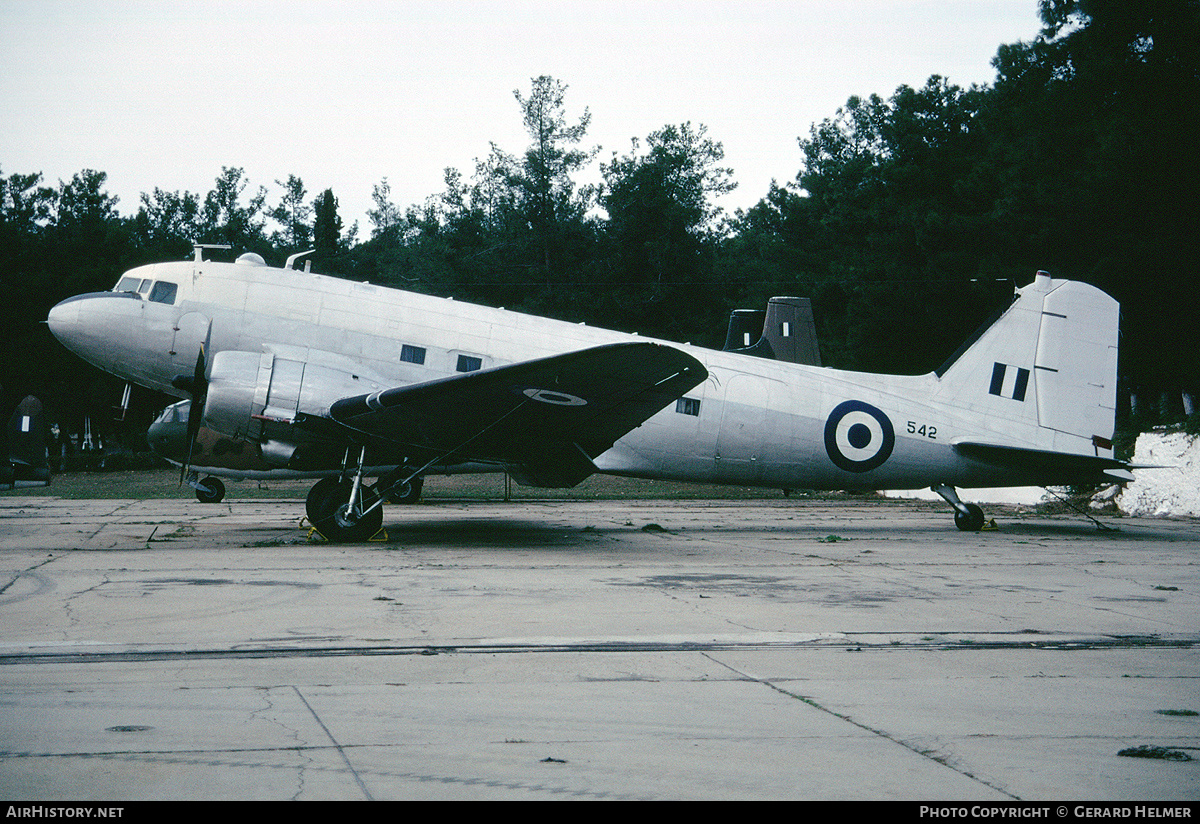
x=551 y=415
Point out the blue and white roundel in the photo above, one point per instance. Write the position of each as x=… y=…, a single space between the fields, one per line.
x=858 y=437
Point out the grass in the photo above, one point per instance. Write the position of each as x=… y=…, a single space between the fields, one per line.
x=164 y=483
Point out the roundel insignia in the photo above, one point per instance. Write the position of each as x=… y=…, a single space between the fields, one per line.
x=554 y=398
x=858 y=437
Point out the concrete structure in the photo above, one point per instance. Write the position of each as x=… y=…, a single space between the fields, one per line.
x=594 y=650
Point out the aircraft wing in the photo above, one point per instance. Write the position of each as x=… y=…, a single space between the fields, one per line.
x=1049 y=468
x=545 y=418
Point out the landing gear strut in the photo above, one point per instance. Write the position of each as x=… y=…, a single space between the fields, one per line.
x=340 y=515
x=400 y=486
x=967 y=517
x=343 y=509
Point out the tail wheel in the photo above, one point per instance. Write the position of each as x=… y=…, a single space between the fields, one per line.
x=971 y=520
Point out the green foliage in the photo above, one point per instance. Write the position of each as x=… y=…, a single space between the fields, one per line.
x=1191 y=424
x=293 y=216
x=166 y=224
x=1093 y=146
x=226 y=220
x=327 y=227
x=663 y=233
x=908 y=222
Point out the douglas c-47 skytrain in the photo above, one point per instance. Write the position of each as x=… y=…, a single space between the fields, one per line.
x=293 y=373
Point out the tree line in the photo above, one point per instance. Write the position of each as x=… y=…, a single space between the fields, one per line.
x=908 y=222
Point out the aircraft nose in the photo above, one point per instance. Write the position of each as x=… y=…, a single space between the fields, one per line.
x=106 y=329
x=64 y=319
x=168 y=440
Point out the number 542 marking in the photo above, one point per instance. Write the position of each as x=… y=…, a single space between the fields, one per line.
x=924 y=430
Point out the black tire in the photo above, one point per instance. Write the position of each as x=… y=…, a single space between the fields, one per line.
x=320 y=490
x=210 y=491
x=409 y=493
x=971 y=520
x=330 y=518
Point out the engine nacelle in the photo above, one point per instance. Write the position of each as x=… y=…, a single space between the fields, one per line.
x=256 y=396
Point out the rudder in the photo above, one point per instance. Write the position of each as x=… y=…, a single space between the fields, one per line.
x=1050 y=360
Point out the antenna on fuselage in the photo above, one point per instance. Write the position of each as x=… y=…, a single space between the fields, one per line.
x=293 y=258
x=198 y=249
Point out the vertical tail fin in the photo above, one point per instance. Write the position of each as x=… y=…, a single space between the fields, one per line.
x=745 y=329
x=786 y=332
x=1049 y=361
x=28 y=452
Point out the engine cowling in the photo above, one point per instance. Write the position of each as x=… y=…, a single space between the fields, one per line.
x=256 y=396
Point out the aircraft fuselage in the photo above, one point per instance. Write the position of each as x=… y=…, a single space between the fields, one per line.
x=753 y=421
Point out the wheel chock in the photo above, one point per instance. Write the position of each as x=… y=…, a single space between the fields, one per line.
x=312 y=530
x=379 y=537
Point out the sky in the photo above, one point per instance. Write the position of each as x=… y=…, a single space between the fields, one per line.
x=164 y=93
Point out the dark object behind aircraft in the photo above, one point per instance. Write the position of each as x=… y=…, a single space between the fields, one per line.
x=28 y=459
x=784 y=332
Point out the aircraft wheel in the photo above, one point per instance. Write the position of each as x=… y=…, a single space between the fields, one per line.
x=211 y=491
x=410 y=493
x=320 y=490
x=971 y=520
x=330 y=518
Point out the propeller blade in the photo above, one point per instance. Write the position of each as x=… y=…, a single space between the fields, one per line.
x=197 y=387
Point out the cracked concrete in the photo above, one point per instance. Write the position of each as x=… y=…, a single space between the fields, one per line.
x=546 y=650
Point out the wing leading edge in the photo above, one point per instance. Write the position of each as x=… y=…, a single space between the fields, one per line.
x=546 y=419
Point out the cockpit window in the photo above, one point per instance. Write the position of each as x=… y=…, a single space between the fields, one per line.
x=163 y=292
x=175 y=413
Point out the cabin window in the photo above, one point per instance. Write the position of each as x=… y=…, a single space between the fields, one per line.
x=688 y=406
x=163 y=292
x=467 y=363
x=412 y=354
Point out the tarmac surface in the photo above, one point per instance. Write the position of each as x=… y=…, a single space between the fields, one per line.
x=767 y=649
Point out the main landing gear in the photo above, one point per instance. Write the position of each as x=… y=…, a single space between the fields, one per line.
x=209 y=491
x=967 y=517
x=344 y=509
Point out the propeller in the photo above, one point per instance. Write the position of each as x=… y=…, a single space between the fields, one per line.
x=195 y=385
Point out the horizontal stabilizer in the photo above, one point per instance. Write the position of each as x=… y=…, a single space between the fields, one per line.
x=1052 y=468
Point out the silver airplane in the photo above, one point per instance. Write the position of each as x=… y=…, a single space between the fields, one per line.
x=316 y=375
x=785 y=330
